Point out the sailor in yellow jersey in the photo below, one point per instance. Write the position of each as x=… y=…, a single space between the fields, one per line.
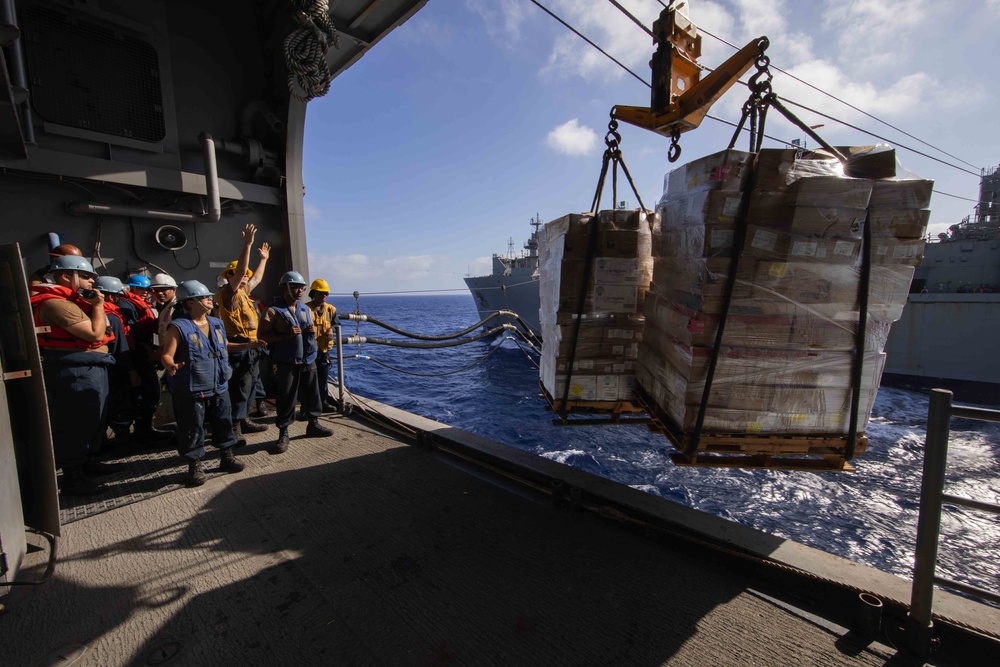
x=324 y=318
x=239 y=315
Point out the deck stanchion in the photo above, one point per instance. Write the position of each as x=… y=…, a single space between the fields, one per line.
x=919 y=625
x=340 y=368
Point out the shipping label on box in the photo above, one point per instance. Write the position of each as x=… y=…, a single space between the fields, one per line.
x=616 y=271
x=725 y=170
x=616 y=298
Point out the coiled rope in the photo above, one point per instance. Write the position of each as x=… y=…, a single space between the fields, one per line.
x=306 y=48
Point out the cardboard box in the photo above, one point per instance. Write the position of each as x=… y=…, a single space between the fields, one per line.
x=914 y=193
x=725 y=170
x=899 y=223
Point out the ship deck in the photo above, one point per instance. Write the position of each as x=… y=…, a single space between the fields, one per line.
x=363 y=549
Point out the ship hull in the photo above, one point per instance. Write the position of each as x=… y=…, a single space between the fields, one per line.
x=943 y=340
x=516 y=293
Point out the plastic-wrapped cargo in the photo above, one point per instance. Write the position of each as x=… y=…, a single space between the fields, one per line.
x=604 y=346
x=785 y=365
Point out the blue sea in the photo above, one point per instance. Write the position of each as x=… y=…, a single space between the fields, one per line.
x=868 y=516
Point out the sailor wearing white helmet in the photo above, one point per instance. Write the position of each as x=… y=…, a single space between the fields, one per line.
x=164 y=288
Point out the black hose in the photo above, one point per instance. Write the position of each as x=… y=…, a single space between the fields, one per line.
x=430 y=346
x=410 y=334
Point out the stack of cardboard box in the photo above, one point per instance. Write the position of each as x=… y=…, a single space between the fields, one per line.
x=605 y=346
x=785 y=361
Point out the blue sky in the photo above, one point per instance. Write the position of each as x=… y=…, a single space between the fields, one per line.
x=443 y=141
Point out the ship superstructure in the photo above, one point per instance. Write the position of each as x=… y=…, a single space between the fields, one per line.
x=513 y=284
x=953 y=309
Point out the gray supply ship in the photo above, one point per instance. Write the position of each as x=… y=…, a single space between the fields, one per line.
x=513 y=285
x=148 y=133
x=952 y=314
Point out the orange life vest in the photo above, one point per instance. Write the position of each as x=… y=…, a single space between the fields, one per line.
x=60 y=339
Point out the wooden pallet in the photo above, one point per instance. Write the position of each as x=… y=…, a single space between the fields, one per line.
x=590 y=407
x=774 y=451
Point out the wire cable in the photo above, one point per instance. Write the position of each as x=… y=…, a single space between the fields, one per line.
x=581 y=36
x=832 y=118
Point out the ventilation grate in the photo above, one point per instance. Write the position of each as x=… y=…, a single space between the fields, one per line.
x=91 y=76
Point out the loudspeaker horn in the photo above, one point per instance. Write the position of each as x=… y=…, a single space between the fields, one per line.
x=171 y=238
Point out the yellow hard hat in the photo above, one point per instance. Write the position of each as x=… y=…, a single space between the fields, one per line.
x=319 y=285
x=232 y=267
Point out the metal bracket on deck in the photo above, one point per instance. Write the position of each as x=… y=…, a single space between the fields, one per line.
x=16 y=375
x=42 y=329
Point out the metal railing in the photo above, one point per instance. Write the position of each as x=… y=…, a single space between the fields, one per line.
x=932 y=497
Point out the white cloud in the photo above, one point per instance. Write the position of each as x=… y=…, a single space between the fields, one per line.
x=502 y=18
x=610 y=29
x=571 y=138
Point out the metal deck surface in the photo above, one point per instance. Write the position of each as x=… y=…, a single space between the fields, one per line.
x=359 y=549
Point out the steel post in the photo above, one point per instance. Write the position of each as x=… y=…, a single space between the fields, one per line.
x=919 y=624
x=340 y=368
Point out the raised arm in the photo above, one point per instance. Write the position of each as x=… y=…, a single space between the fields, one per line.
x=243 y=263
x=258 y=274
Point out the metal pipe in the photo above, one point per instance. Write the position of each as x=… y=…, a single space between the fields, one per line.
x=91 y=208
x=214 y=213
x=18 y=72
x=340 y=368
x=929 y=518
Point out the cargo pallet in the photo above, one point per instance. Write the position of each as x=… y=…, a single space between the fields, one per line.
x=614 y=409
x=727 y=450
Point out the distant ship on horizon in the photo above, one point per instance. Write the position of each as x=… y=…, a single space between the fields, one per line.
x=513 y=284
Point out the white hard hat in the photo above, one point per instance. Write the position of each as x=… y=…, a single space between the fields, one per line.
x=163 y=280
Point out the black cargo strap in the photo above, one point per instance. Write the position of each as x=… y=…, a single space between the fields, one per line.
x=612 y=155
x=739 y=238
x=864 y=285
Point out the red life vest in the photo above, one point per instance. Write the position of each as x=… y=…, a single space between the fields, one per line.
x=60 y=339
x=147 y=322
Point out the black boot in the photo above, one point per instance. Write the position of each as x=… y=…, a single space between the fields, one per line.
x=75 y=483
x=260 y=410
x=238 y=434
x=249 y=426
x=196 y=473
x=281 y=446
x=317 y=430
x=229 y=462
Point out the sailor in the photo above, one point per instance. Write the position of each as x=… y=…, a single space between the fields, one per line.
x=197 y=367
x=58 y=251
x=74 y=337
x=325 y=317
x=122 y=378
x=135 y=305
x=164 y=288
x=138 y=285
x=288 y=327
x=240 y=317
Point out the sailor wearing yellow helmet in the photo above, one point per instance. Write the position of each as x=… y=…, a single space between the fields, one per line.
x=324 y=318
x=239 y=315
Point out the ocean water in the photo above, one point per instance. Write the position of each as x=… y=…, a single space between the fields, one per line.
x=868 y=516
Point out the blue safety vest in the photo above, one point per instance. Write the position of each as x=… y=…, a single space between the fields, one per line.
x=206 y=369
x=302 y=348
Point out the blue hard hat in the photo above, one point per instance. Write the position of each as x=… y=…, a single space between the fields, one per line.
x=138 y=281
x=71 y=263
x=292 y=278
x=191 y=289
x=109 y=285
